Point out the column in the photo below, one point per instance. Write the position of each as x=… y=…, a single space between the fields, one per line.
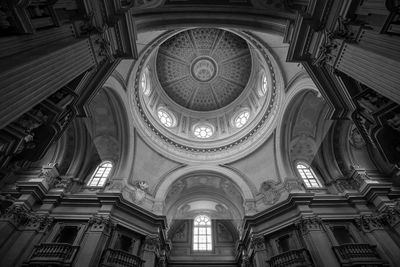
x=373 y=228
x=374 y=60
x=259 y=250
x=31 y=227
x=150 y=250
x=94 y=241
x=28 y=79
x=317 y=241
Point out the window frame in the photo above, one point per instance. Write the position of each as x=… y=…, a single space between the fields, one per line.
x=351 y=228
x=168 y=113
x=92 y=177
x=306 y=179
x=57 y=228
x=209 y=233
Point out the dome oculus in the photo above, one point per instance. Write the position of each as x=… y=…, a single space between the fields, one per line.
x=204 y=69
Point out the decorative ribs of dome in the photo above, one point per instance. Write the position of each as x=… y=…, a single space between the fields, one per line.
x=204 y=69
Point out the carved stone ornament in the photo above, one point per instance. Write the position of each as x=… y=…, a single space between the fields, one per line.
x=369 y=223
x=39 y=222
x=17 y=214
x=258 y=242
x=270 y=193
x=392 y=214
x=325 y=51
x=311 y=223
x=139 y=191
x=293 y=184
x=22 y=217
x=99 y=223
x=152 y=243
x=346 y=184
x=50 y=172
x=355 y=139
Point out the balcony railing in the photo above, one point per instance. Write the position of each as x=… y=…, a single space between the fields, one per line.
x=53 y=254
x=356 y=254
x=292 y=258
x=118 y=258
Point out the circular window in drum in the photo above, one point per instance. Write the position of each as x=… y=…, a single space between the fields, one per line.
x=166 y=118
x=145 y=82
x=203 y=131
x=241 y=119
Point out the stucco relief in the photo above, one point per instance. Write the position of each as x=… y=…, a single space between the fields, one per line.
x=107 y=147
x=355 y=138
x=302 y=147
x=269 y=191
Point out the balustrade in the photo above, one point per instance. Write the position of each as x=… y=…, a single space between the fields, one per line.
x=292 y=258
x=355 y=254
x=121 y=258
x=53 y=253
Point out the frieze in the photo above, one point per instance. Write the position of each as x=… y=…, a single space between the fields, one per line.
x=23 y=217
x=99 y=223
x=368 y=223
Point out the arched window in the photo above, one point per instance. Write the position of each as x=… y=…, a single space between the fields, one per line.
x=202 y=233
x=145 y=82
x=263 y=84
x=308 y=175
x=100 y=175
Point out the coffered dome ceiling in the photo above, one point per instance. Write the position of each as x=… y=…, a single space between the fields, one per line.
x=204 y=69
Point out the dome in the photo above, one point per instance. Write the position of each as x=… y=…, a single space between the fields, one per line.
x=204 y=69
x=204 y=102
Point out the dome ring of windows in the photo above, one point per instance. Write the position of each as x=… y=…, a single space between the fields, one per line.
x=203 y=130
x=263 y=84
x=166 y=117
x=145 y=82
x=240 y=118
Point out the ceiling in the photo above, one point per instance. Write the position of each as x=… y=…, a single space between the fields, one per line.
x=204 y=69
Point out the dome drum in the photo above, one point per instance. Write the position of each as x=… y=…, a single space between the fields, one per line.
x=196 y=71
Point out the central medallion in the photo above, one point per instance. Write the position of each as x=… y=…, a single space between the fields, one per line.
x=204 y=69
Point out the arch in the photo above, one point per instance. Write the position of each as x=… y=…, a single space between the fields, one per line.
x=295 y=91
x=164 y=185
x=120 y=103
x=101 y=174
